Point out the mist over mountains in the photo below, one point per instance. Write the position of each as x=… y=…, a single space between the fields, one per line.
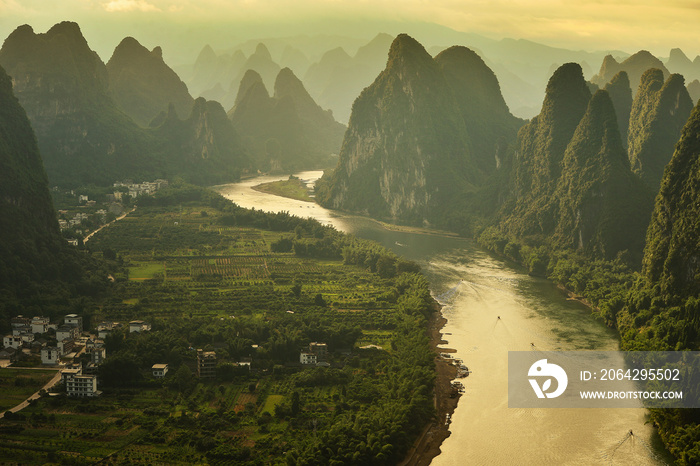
x=336 y=75
x=134 y=117
x=523 y=146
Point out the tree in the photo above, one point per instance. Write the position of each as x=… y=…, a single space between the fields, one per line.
x=386 y=266
x=183 y=379
x=119 y=371
x=295 y=403
x=109 y=254
x=319 y=301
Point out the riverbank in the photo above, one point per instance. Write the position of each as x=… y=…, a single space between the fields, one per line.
x=416 y=230
x=427 y=446
x=571 y=296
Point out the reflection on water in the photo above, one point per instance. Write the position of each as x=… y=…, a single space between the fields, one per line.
x=476 y=289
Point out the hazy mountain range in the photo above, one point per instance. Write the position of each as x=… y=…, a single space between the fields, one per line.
x=134 y=117
x=335 y=76
x=432 y=139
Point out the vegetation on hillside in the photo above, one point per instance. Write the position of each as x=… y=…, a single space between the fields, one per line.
x=39 y=272
x=407 y=155
x=659 y=112
x=143 y=85
x=656 y=309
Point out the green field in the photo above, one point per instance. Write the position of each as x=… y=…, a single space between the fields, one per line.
x=145 y=270
x=207 y=274
x=292 y=188
x=16 y=385
x=271 y=402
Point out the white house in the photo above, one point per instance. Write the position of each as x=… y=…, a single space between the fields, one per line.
x=98 y=355
x=91 y=344
x=65 y=332
x=159 y=370
x=82 y=386
x=104 y=328
x=17 y=331
x=19 y=322
x=50 y=355
x=308 y=358
x=40 y=324
x=70 y=372
x=27 y=337
x=74 y=320
x=139 y=326
x=12 y=341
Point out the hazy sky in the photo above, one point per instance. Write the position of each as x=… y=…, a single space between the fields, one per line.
x=584 y=24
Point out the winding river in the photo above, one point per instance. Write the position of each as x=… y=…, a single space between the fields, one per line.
x=475 y=289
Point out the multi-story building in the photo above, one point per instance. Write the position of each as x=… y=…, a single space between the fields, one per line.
x=19 y=322
x=21 y=329
x=12 y=341
x=316 y=354
x=91 y=344
x=82 y=386
x=98 y=355
x=308 y=358
x=40 y=324
x=104 y=328
x=50 y=355
x=70 y=372
x=206 y=364
x=74 y=320
x=67 y=332
x=65 y=346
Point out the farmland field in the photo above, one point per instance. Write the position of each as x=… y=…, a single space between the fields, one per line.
x=16 y=385
x=256 y=289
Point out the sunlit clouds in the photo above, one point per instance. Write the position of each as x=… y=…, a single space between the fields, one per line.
x=129 y=5
x=586 y=24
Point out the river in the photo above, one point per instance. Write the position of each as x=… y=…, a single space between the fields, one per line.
x=475 y=289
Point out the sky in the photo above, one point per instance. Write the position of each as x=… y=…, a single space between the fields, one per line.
x=589 y=25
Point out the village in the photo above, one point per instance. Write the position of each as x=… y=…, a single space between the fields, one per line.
x=85 y=210
x=64 y=345
x=78 y=353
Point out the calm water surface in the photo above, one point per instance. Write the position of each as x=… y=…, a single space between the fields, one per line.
x=475 y=288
